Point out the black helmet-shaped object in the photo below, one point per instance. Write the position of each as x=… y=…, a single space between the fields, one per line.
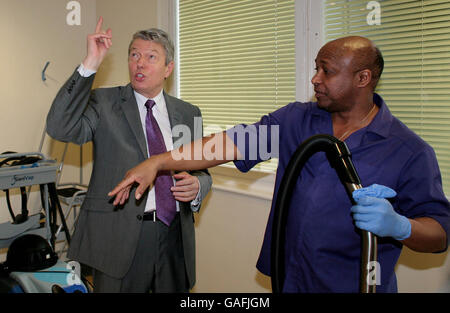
x=30 y=253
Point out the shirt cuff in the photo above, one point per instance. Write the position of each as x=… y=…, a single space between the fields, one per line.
x=85 y=72
x=195 y=204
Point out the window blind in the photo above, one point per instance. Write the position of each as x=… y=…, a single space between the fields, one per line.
x=237 y=60
x=414 y=37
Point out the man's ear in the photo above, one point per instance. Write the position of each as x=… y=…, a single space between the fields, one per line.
x=363 y=78
x=169 y=69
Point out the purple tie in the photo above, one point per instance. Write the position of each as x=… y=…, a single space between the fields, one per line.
x=165 y=202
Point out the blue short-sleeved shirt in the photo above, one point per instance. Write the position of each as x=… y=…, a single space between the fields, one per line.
x=322 y=244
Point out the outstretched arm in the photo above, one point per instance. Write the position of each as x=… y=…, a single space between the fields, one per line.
x=200 y=154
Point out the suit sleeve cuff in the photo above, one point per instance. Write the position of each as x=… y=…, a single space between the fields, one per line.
x=85 y=72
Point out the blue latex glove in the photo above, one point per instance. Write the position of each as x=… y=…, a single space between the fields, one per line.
x=375 y=214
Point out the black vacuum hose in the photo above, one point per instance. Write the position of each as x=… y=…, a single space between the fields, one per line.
x=339 y=158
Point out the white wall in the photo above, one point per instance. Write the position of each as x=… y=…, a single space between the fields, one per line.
x=34 y=32
x=230 y=230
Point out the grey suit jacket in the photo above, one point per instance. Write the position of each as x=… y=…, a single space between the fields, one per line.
x=105 y=235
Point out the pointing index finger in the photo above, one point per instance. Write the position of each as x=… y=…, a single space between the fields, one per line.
x=98 y=28
x=122 y=185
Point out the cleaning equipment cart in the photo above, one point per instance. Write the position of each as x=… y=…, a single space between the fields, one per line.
x=339 y=158
x=20 y=174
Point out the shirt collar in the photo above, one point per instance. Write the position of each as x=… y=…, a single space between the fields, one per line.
x=382 y=121
x=380 y=124
x=379 y=128
x=141 y=100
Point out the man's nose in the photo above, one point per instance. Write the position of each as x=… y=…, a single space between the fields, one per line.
x=140 y=62
x=315 y=79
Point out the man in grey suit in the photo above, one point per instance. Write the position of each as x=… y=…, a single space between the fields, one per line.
x=128 y=246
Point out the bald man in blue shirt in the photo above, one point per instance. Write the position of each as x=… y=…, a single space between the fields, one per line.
x=403 y=205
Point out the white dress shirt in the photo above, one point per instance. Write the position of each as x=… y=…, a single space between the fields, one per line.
x=161 y=115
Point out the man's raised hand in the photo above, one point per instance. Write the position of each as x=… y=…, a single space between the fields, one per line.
x=98 y=45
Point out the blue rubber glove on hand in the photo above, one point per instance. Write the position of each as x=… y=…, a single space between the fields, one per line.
x=375 y=214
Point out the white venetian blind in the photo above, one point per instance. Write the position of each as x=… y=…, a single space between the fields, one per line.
x=414 y=37
x=237 y=60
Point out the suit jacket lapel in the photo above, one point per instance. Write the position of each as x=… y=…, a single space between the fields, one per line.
x=175 y=117
x=129 y=107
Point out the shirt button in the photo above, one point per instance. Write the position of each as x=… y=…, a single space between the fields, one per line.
x=139 y=217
